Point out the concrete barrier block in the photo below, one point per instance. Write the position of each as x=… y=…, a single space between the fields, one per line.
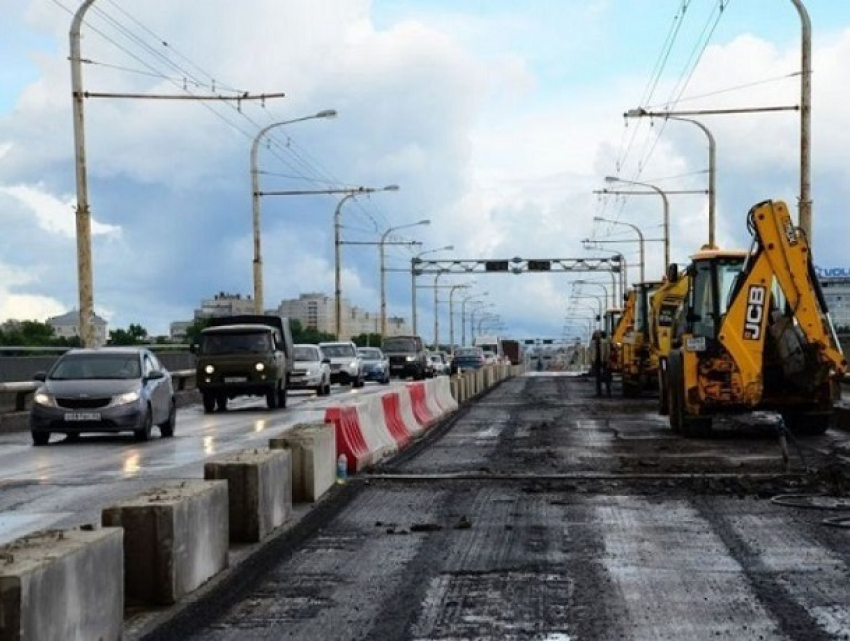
x=312 y=447
x=62 y=585
x=175 y=538
x=259 y=491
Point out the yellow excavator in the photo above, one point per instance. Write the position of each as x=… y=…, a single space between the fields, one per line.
x=754 y=333
x=664 y=309
x=639 y=362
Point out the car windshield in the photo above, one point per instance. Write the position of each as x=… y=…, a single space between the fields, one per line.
x=370 y=353
x=339 y=351
x=436 y=358
x=97 y=366
x=468 y=353
x=229 y=343
x=303 y=353
x=399 y=345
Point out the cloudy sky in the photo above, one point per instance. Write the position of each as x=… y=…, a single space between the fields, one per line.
x=498 y=119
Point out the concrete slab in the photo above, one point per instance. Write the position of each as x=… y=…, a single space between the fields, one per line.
x=61 y=585
x=175 y=538
x=313 y=448
x=259 y=491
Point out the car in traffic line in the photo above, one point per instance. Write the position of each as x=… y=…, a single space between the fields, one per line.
x=376 y=366
x=107 y=389
x=408 y=356
x=312 y=369
x=346 y=367
x=439 y=364
x=467 y=358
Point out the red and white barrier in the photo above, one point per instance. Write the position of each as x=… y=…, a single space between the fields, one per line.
x=421 y=410
x=431 y=400
x=444 y=394
x=393 y=419
x=406 y=406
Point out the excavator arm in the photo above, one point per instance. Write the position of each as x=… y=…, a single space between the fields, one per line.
x=803 y=332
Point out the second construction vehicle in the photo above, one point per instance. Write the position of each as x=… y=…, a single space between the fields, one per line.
x=754 y=333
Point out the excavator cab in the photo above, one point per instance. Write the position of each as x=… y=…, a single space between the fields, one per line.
x=639 y=362
x=714 y=273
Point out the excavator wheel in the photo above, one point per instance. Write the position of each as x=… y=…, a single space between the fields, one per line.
x=673 y=391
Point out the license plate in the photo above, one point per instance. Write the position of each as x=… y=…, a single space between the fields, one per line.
x=695 y=344
x=235 y=379
x=82 y=416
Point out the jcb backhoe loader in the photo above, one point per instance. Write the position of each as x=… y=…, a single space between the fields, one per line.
x=755 y=333
x=639 y=363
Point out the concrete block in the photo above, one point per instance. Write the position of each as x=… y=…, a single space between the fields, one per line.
x=259 y=489
x=175 y=538
x=63 y=585
x=313 y=450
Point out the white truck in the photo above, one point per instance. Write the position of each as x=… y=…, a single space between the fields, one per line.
x=490 y=344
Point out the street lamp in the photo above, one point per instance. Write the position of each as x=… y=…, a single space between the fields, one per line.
x=640 y=239
x=463 y=302
x=660 y=192
x=451 y=315
x=413 y=262
x=384 y=270
x=337 y=250
x=604 y=289
x=255 y=198
x=477 y=308
x=599 y=301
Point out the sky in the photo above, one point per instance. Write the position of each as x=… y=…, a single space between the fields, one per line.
x=498 y=119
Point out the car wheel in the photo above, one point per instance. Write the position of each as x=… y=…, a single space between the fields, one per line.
x=386 y=380
x=221 y=402
x=209 y=402
x=144 y=432
x=167 y=428
x=40 y=438
x=271 y=398
x=281 y=397
x=328 y=388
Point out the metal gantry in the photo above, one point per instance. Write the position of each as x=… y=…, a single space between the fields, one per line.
x=516 y=265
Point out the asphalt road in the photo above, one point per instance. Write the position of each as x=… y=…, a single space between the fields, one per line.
x=543 y=513
x=68 y=483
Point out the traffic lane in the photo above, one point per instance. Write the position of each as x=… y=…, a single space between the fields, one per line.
x=67 y=483
x=629 y=542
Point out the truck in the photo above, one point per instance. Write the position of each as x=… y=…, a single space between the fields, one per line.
x=512 y=350
x=491 y=344
x=754 y=333
x=244 y=355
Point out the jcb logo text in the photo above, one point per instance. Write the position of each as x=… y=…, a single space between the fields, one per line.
x=755 y=312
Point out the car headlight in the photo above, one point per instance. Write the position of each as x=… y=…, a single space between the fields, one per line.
x=260 y=367
x=125 y=398
x=353 y=364
x=209 y=369
x=410 y=359
x=43 y=398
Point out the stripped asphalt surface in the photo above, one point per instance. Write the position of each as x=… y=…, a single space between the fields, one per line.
x=543 y=513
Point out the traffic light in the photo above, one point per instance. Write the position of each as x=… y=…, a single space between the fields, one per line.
x=539 y=265
x=496 y=265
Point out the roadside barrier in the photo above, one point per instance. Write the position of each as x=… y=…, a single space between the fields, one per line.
x=444 y=396
x=394 y=421
x=408 y=416
x=420 y=407
x=349 y=437
x=373 y=424
x=431 y=401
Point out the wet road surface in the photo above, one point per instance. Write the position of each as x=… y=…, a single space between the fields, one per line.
x=543 y=513
x=68 y=482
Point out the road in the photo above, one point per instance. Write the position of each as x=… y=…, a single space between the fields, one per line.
x=68 y=483
x=543 y=513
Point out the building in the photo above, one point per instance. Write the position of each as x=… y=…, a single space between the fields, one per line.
x=313 y=310
x=317 y=311
x=835 y=284
x=68 y=326
x=223 y=304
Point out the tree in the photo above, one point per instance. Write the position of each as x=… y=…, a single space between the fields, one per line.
x=133 y=335
x=28 y=333
x=310 y=335
x=366 y=340
x=193 y=332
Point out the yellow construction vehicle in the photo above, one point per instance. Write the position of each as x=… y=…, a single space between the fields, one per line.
x=754 y=333
x=624 y=325
x=664 y=308
x=639 y=363
x=610 y=324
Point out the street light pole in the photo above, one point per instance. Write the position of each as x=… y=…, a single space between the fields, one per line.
x=463 y=302
x=255 y=202
x=413 y=262
x=663 y=195
x=604 y=289
x=640 y=239
x=805 y=214
x=452 y=317
x=477 y=308
x=384 y=270
x=338 y=252
x=436 y=312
